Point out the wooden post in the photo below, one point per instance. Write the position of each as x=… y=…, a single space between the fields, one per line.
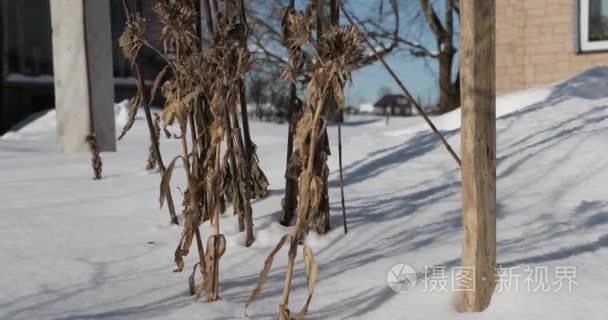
x=478 y=101
x=83 y=73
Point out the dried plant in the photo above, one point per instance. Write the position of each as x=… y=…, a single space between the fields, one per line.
x=152 y=161
x=259 y=181
x=133 y=38
x=233 y=61
x=297 y=30
x=178 y=19
x=131 y=42
x=201 y=92
x=184 y=91
x=289 y=21
x=95 y=156
x=339 y=52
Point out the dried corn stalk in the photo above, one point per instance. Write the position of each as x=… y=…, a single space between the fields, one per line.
x=290 y=22
x=201 y=94
x=230 y=53
x=339 y=52
x=131 y=42
x=257 y=183
x=152 y=160
x=187 y=102
x=199 y=91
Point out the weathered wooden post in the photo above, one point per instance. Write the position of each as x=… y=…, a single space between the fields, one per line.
x=478 y=101
x=83 y=73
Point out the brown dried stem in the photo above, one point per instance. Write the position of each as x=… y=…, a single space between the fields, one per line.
x=95 y=156
x=341 y=52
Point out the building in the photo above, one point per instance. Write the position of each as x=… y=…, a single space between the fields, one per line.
x=393 y=105
x=366 y=108
x=543 y=41
x=27 y=62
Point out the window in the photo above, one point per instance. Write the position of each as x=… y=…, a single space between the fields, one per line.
x=593 y=25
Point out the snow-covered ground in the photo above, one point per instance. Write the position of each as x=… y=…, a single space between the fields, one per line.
x=74 y=248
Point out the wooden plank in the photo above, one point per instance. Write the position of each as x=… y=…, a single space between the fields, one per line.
x=82 y=58
x=478 y=102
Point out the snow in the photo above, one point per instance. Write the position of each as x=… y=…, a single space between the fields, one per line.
x=43 y=123
x=264 y=107
x=75 y=248
x=366 y=108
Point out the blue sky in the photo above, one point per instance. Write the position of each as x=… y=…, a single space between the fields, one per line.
x=413 y=72
x=418 y=74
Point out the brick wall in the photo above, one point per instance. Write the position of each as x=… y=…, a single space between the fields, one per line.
x=535 y=44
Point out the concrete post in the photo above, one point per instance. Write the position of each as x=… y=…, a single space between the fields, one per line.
x=83 y=73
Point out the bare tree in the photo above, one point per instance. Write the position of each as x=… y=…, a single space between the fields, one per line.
x=383 y=20
x=257 y=94
x=267 y=38
x=267 y=43
x=439 y=17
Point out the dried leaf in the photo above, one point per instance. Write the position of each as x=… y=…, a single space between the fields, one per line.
x=182 y=249
x=304 y=200
x=316 y=190
x=168 y=134
x=264 y=274
x=294 y=167
x=310 y=266
x=157 y=81
x=220 y=240
x=133 y=38
x=259 y=181
x=134 y=104
x=179 y=260
x=164 y=183
x=170 y=112
x=192 y=279
x=216 y=247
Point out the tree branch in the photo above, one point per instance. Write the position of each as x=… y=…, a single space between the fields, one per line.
x=432 y=18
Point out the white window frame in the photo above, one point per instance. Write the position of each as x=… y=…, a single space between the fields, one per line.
x=583 y=35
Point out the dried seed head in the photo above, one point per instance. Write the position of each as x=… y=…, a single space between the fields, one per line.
x=296 y=56
x=179 y=18
x=133 y=38
x=299 y=27
x=341 y=50
x=343 y=46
